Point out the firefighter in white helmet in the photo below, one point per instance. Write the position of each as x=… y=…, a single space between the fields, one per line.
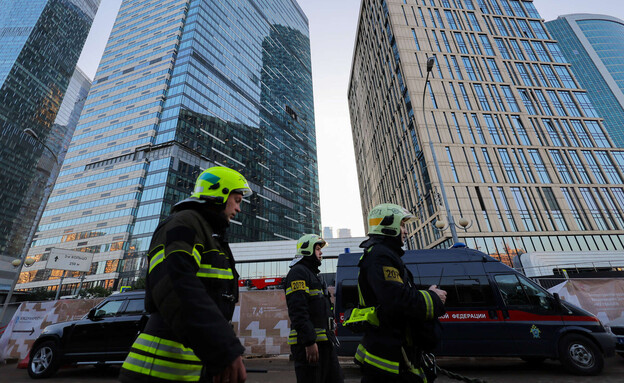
x=312 y=339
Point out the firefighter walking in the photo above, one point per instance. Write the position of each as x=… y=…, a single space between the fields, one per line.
x=312 y=337
x=191 y=290
x=396 y=317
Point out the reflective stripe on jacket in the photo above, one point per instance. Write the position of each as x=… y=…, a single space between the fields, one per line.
x=384 y=282
x=163 y=359
x=191 y=292
x=309 y=306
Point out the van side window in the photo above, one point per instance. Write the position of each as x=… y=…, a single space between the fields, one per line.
x=462 y=291
x=471 y=292
x=349 y=293
x=518 y=291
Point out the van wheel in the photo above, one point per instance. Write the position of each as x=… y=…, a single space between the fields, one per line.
x=580 y=355
x=534 y=359
x=44 y=361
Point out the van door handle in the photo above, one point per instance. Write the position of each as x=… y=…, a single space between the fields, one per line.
x=493 y=314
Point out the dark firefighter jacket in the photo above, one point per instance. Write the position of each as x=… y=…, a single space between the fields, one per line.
x=309 y=305
x=385 y=282
x=191 y=290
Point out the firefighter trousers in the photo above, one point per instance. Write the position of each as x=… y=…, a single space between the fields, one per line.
x=327 y=370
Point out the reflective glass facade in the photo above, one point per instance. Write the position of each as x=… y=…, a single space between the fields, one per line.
x=594 y=45
x=522 y=152
x=184 y=85
x=41 y=41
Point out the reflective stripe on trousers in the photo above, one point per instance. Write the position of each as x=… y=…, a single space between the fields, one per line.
x=148 y=357
x=363 y=356
x=321 y=335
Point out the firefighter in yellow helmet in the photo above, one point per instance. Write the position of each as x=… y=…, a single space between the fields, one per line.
x=390 y=350
x=312 y=339
x=191 y=290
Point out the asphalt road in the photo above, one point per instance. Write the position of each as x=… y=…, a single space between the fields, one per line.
x=281 y=370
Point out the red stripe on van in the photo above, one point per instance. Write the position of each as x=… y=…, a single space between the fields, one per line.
x=517 y=315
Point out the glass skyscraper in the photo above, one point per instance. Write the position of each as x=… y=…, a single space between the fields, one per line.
x=594 y=45
x=184 y=85
x=522 y=150
x=40 y=42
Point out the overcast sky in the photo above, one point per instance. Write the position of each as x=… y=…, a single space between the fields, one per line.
x=332 y=34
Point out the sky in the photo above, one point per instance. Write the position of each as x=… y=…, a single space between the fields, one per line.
x=332 y=34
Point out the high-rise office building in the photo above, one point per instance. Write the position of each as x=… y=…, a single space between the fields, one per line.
x=594 y=45
x=40 y=42
x=521 y=150
x=344 y=233
x=328 y=232
x=184 y=85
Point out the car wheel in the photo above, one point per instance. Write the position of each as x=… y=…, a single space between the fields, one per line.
x=580 y=355
x=44 y=361
x=534 y=359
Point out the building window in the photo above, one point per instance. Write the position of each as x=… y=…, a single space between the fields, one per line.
x=552 y=132
x=522 y=159
x=474 y=155
x=457 y=70
x=499 y=215
x=523 y=210
x=585 y=104
x=594 y=209
x=490 y=166
x=469 y=69
x=452 y=164
x=524 y=75
x=543 y=103
x=455 y=95
x=556 y=103
x=526 y=100
x=485 y=105
x=574 y=207
x=462 y=88
x=613 y=210
x=593 y=167
x=509 y=97
x=459 y=133
x=508 y=166
x=582 y=134
x=569 y=103
x=538 y=163
x=497 y=98
x=415 y=40
x=520 y=131
x=489 y=51
x=502 y=48
x=561 y=166
x=492 y=129
x=609 y=167
x=598 y=135
x=475 y=120
x=580 y=168
x=553 y=209
x=551 y=76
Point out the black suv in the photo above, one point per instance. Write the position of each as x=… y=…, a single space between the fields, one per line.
x=102 y=337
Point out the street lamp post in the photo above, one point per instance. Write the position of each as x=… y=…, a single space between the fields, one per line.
x=430 y=63
x=23 y=260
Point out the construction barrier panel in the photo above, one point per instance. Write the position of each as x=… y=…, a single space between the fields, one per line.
x=260 y=319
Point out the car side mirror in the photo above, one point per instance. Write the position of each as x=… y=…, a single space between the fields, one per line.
x=91 y=314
